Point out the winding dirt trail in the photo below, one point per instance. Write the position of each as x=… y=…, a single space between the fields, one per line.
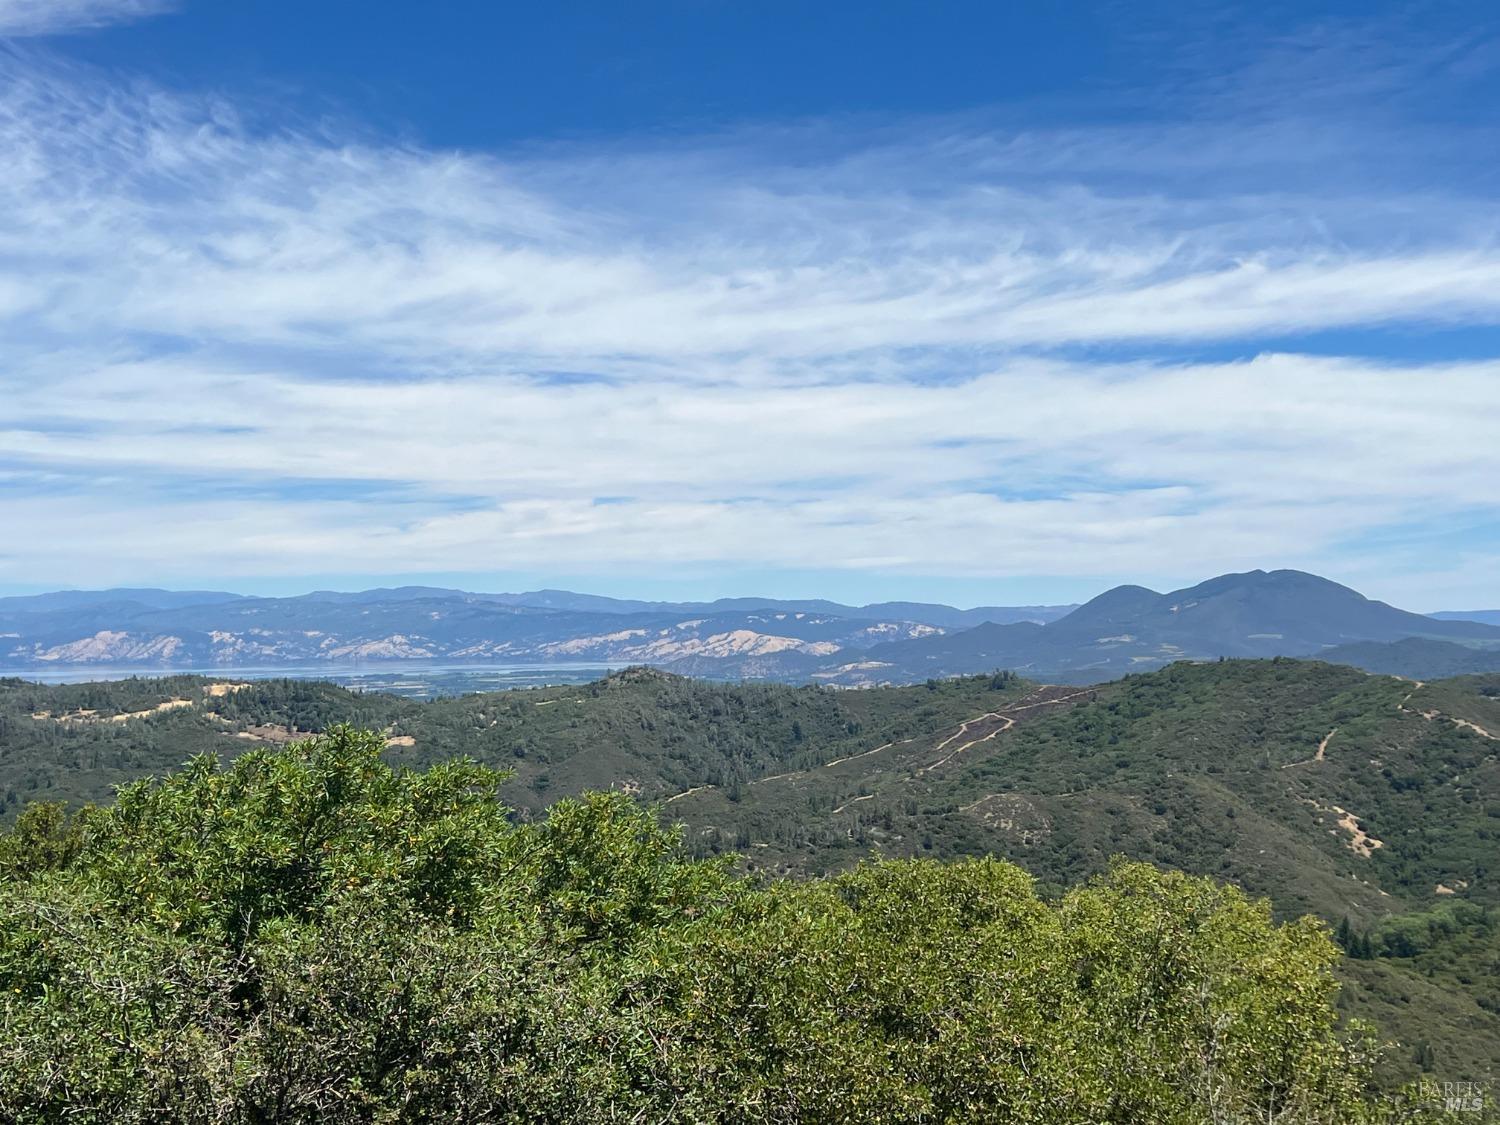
x=861 y=754
x=1323 y=746
x=1475 y=727
x=1436 y=714
x=1007 y=720
x=1319 y=755
x=963 y=728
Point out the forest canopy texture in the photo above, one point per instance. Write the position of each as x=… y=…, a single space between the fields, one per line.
x=309 y=934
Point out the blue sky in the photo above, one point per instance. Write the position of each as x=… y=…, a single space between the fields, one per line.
x=968 y=302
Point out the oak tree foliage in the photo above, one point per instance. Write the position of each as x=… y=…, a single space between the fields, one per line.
x=311 y=934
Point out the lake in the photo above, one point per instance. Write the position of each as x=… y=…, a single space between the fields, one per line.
x=412 y=679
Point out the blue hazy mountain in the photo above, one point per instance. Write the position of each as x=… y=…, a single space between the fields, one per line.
x=1485 y=616
x=1131 y=628
x=1127 y=628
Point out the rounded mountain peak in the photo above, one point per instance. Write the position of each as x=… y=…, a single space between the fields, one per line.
x=1118 y=603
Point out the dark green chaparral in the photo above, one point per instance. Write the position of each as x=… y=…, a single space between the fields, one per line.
x=310 y=934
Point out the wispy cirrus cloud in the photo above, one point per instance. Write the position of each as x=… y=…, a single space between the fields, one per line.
x=191 y=226
x=946 y=349
x=51 y=17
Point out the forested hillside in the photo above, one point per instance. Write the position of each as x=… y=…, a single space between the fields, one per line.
x=310 y=936
x=645 y=732
x=1370 y=801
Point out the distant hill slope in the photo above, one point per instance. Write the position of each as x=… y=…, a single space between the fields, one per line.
x=1416 y=658
x=649 y=731
x=728 y=638
x=1485 y=616
x=1357 y=797
x=1130 y=628
x=926 y=613
x=411 y=625
x=1258 y=610
x=64 y=600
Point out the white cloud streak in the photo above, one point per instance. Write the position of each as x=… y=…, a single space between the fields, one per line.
x=51 y=17
x=237 y=353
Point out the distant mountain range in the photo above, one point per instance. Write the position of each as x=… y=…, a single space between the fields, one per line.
x=1128 y=628
x=171 y=629
x=1488 y=616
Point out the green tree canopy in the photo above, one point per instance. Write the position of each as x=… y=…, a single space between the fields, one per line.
x=312 y=935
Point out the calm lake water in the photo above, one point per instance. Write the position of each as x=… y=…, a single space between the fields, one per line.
x=407 y=678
